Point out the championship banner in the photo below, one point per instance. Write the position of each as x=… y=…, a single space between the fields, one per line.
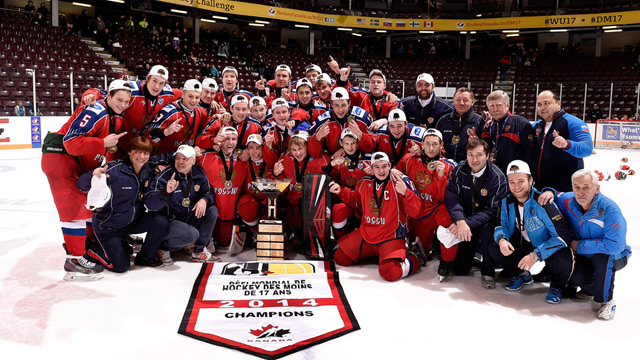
x=267 y=12
x=268 y=309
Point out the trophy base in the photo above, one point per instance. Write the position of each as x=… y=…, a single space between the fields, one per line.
x=270 y=242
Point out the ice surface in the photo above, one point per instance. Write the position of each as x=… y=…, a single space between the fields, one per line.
x=136 y=315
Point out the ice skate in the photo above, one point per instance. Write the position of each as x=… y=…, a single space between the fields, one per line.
x=81 y=269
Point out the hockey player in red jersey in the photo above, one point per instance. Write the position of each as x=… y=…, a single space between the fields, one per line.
x=209 y=91
x=294 y=166
x=430 y=174
x=347 y=171
x=395 y=139
x=325 y=132
x=280 y=87
x=278 y=132
x=311 y=72
x=258 y=109
x=239 y=120
x=230 y=180
x=228 y=90
x=323 y=88
x=78 y=147
x=307 y=109
x=147 y=99
x=180 y=122
x=386 y=201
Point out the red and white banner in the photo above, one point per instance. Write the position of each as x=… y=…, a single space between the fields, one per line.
x=268 y=309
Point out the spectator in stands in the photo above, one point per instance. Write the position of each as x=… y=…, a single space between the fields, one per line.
x=76 y=102
x=637 y=63
x=595 y=113
x=505 y=63
x=108 y=40
x=143 y=23
x=31 y=113
x=561 y=142
x=82 y=24
x=44 y=12
x=154 y=31
x=19 y=109
x=146 y=69
x=527 y=62
x=30 y=9
x=425 y=108
x=100 y=25
x=129 y=24
x=261 y=64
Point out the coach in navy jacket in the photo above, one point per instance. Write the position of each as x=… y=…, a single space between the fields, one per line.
x=454 y=127
x=561 y=141
x=474 y=197
x=124 y=212
x=425 y=108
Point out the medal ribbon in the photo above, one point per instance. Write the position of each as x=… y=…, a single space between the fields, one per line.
x=300 y=174
x=375 y=193
x=228 y=170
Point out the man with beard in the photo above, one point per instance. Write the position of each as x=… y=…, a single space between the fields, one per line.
x=425 y=108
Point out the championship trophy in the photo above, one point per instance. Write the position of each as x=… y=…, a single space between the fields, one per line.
x=270 y=242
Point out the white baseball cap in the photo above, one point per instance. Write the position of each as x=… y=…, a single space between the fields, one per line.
x=210 y=84
x=313 y=67
x=284 y=67
x=228 y=130
x=379 y=156
x=256 y=101
x=425 y=77
x=161 y=71
x=397 y=115
x=186 y=150
x=278 y=103
x=339 y=93
x=303 y=82
x=379 y=73
x=254 y=138
x=300 y=134
x=230 y=68
x=433 y=132
x=518 y=167
x=239 y=99
x=323 y=77
x=99 y=193
x=192 y=85
x=119 y=85
x=347 y=132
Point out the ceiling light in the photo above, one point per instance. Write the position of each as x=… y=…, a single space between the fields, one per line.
x=463 y=32
x=510 y=31
x=262 y=22
x=302 y=26
x=558 y=30
x=512 y=35
x=345 y=29
x=613 y=30
x=81 y=4
x=208 y=21
x=426 y=32
x=356 y=34
x=117 y=1
x=610 y=27
x=220 y=17
x=381 y=31
x=178 y=11
x=257 y=25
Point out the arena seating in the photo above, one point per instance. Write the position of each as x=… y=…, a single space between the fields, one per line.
x=53 y=55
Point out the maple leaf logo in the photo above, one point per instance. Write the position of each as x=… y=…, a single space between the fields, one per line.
x=269 y=331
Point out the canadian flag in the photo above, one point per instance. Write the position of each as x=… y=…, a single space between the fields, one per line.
x=428 y=24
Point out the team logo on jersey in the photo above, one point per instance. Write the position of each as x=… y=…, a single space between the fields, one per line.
x=423 y=179
x=600 y=212
x=350 y=181
x=187 y=129
x=538 y=131
x=224 y=177
x=160 y=101
x=196 y=187
x=373 y=208
x=360 y=166
x=507 y=127
x=532 y=211
x=483 y=192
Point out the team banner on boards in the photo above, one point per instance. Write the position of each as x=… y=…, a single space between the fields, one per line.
x=268 y=309
x=526 y=22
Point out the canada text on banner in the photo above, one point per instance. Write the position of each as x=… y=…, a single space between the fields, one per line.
x=230 y=7
x=268 y=309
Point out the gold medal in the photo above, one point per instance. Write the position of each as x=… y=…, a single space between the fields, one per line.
x=347 y=162
x=112 y=149
x=141 y=195
x=297 y=187
x=238 y=152
x=476 y=205
x=186 y=202
x=455 y=139
x=431 y=165
x=228 y=184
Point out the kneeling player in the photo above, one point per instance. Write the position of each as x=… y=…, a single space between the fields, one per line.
x=430 y=174
x=385 y=201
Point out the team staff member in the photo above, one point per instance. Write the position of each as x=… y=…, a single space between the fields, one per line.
x=528 y=233
x=600 y=232
x=147 y=99
x=124 y=213
x=229 y=88
x=512 y=135
x=230 y=180
x=561 y=142
x=430 y=174
x=394 y=139
x=80 y=146
x=474 y=191
x=457 y=126
x=325 y=132
x=182 y=193
x=385 y=201
x=180 y=122
x=425 y=108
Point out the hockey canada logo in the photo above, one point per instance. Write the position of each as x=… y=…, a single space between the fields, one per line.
x=460 y=25
x=269 y=331
x=272 y=12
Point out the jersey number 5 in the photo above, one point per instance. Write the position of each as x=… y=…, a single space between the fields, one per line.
x=85 y=120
